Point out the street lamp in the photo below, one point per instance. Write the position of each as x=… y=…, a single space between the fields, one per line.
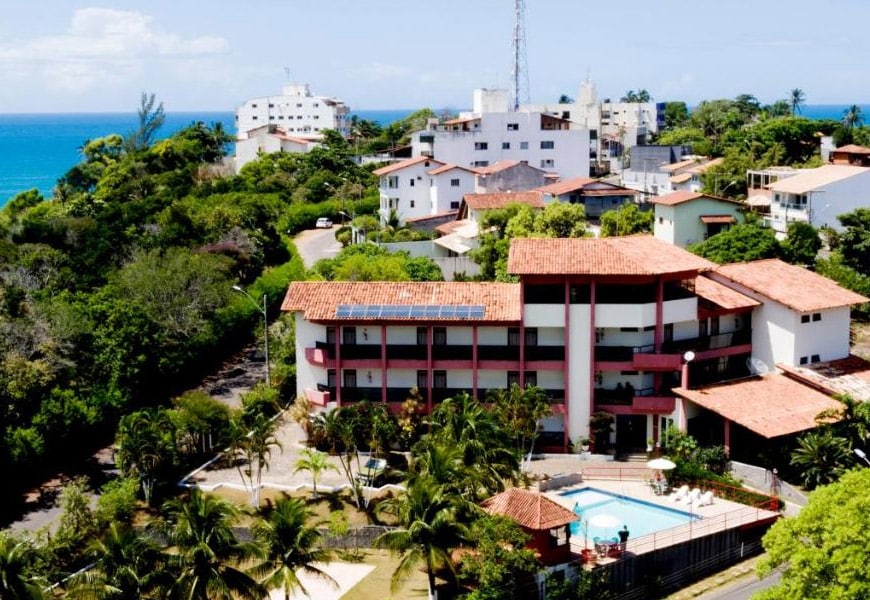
x=862 y=455
x=265 y=312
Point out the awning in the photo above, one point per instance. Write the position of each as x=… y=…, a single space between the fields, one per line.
x=454 y=243
x=681 y=178
x=709 y=219
x=771 y=405
x=758 y=201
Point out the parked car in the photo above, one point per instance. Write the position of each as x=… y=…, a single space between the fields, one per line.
x=324 y=223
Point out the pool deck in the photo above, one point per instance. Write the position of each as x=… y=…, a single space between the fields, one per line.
x=719 y=516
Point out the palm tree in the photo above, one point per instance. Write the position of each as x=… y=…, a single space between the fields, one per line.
x=206 y=558
x=289 y=545
x=822 y=457
x=429 y=529
x=797 y=100
x=253 y=437
x=316 y=462
x=127 y=567
x=16 y=557
x=853 y=117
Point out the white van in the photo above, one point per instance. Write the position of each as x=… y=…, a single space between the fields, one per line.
x=324 y=223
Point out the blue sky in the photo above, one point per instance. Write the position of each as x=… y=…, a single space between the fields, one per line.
x=72 y=55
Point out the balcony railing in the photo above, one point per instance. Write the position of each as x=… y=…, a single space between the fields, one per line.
x=676 y=347
x=439 y=352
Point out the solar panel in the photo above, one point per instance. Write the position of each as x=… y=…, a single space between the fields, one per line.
x=417 y=311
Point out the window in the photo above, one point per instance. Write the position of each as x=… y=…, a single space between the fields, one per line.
x=513 y=336
x=804 y=360
x=392 y=182
x=547 y=145
x=439 y=379
x=412 y=204
x=531 y=336
x=513 y=126
x=815 y=358
x=661 y=220
x=348 y=335
x=330 y=335
x=422 y=336
x=481 y=146
x=513 y=377
x=702 y=328
x=480 y=163
x=547 y=163
x=531 y=378
x=411 y=182
x=559 y=536
x=439 y=336
x=349 y=378
x=253 y=106
x=454 y=205
x=524 y=145
x=271 y=105
x=505 y=145
x=254 y=118
x=669 y=332
x=454 y=182
x=629 y=329
x=817 y=316
x=422 y=380
x=330 y=378
x=714 y=326
x=805 y=318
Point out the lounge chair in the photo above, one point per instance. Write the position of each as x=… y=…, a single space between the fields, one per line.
x=706 y=498
x=693 y=497
x=370 y=471
x=680 y=494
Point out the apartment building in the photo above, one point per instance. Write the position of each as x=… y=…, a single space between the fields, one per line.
x=296 y=111
x=632 y=326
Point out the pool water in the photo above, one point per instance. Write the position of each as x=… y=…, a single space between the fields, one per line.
x=641 y=518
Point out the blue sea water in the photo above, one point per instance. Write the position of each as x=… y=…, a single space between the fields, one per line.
x=37 y=149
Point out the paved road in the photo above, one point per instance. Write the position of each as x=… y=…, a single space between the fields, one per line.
x=743 y=588
x=314 y=244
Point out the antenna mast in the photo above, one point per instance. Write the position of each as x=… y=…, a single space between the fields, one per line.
x=520 y=71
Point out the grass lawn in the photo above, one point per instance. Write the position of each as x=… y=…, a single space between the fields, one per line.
x=376 y=585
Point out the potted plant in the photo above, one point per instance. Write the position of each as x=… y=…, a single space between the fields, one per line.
x=582 y=445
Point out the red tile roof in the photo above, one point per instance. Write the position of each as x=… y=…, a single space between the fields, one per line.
x=771 y=406
x=631 y=255
x=495 y=167
x=494 y=200
x=449 y=167
x=564 y=187
x=442 y=215
x=682 y=196
x=849 y=376
x=531 y=510
x=318 y=300
x=722 y=295
x=410 y=162
x=853 y=149
x=793 y=286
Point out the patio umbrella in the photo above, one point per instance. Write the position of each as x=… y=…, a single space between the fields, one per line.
x=662 y=464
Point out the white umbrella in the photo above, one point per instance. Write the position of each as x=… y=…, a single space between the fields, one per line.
x=604 y=521
x=662 y=464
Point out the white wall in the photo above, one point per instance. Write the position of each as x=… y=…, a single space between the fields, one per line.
x=492 y=336
x=413 y=187
x=663 y=224
x=544 y=315
x=307 y=375
x=295 y=111
x=826 y=202
x=443 y=195
x=828 y=337
x=579 y=367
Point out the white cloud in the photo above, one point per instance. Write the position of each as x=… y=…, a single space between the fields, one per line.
x=377 y=71
x=101 y=46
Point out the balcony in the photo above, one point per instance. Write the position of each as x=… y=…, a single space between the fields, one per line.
x=322 y=353
x=645 y=358
x=643 y=401
x=656 y=405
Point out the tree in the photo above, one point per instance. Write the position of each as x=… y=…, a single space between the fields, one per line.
x=566 y=99
x=501 y=567
x=252 y=440
x=145 y=447
x=429 y=529
x=823 y=549
x=854 y=242
x=561 y=220
x=206 y=557
x=739 y=243
x=801 y=244
x=316 y=463
x=289 y=545
x=520 y=412
x=796 y=100
x=16 y=560
x=748 y=105
x=821 y=457
x=853 y=117
x=676 y=114
x=627 y=219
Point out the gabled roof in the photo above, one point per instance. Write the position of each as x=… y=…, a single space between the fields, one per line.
x=630 y=255
x=682 y=196
x=531 y=510
x=449 y=167
x=674 y=167
x=721 y=295
x=787 y=406
x=850 y=376
x=493 y=200
x=564 y=187
x=503 y=165
x=319 y=300
x=793 y=286
x=808 y=180
x=681 y=178
x=410 y=162
x=852 y=149
x=702 y=168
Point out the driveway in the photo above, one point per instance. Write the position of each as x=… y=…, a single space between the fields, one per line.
x=314 y=244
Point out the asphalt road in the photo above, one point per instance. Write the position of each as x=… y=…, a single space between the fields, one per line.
x=314 y=244
x=743 y=588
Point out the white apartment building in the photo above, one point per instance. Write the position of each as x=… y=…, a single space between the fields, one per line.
x=268 y=139
x=631 y=326
x=479 y=139
x=817 y=196
x=296 y=111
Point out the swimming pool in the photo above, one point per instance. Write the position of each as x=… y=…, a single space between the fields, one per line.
x=642 y=518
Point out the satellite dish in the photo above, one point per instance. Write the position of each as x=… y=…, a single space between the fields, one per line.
x=757 y=366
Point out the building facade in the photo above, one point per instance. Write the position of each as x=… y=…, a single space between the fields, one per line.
x=295 y=110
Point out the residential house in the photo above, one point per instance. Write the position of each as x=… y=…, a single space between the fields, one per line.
x=509 y=176
x=851 y=154
x=268 y=139
x=689 y=177
x=296 y=110
x=684 y=218
x=650 y=168
x=595 y=195
x=631 y=326
x=817 y=196
x=758 y=182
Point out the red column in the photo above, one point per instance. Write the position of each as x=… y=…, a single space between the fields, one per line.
x=522 y=336
x=474 y=361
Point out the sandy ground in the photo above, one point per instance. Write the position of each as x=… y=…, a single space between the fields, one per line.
x=346 y=575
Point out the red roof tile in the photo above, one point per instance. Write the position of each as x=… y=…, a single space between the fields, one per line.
x=318 y=300
x=722 y=295
x=410 y=162
x=787 y=406
x=850 y=376
x=682 y=196
x=853 y=149
x=564 y=187
x=531 y=510
x=449 y=167
x=631 y=255
x=494 y=200
x=793 y=286
x=495 y=167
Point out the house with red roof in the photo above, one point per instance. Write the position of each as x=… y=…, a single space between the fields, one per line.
x=595 y=195
x=632 y=326
x=268 y=139
x=683 y=218
x=510 y=176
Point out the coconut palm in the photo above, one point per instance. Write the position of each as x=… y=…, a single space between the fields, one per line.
x=797 y=100
x=16 y=583
x=127 y=567
x=429 y=529
x=206 y=557
x=821 y=457
x=853 y=117
x=315 y=462
x=289 y=545
x=252 y=440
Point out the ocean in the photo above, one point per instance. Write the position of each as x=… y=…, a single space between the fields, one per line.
x=37 y=149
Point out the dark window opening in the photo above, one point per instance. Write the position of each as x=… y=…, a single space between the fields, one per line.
x=348 y=335
x=350 y=378
x=439 y=379
x=439 y=336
